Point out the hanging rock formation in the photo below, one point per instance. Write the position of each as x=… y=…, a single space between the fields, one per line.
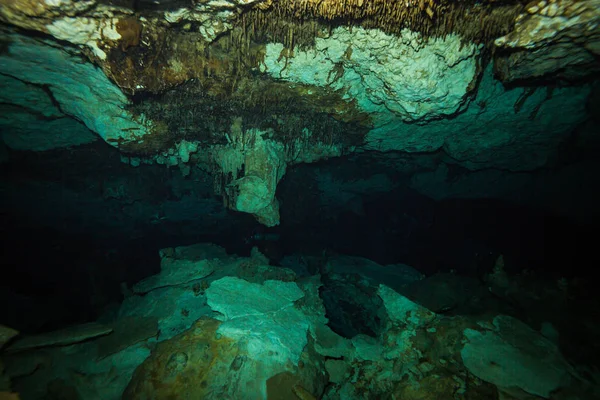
x=551 y=39
x=190 y=85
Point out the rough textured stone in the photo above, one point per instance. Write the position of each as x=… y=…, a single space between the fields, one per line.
x=31 y=121
x=264 y=319
x=176 y=273
x=190 y=362
x=262 y=335
x=126 y=333
x=512 y=129
x=188 y=353
x=62 y=337
x=6 y=334
x=176 y=296
x=268 y=339
x=350 y=292
x=81 y=90
x=412 y=93
x=403 y=311
x=256 y=165
x=555 y=38
x=392 y=77
x=101 y=26
x=511 y=354
x=34 y=14
x=86 y=31
x=204 y=364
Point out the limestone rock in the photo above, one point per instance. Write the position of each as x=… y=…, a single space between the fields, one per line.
x=183 y=364
x=339 y=371
x=264 y=348
x=403 y=311
x=180 y=303
x=510 y=354
x=254 y=165
x=259 y=271
x=212 y=17
x=29 y=96
x=433 y=386
x=175 y=273
x=63 y=337
x=34 y=14
x=194 y=252
x=81 y=90
x=367 y=348
x=207 y=365
x=330 y=344
x=394 y=276
x=126 y=333
x=82 y=30
x=6 y=334
x=553 y=38
x=264 y=319
x=30 y=120
x=350 y=292
x=101 y=26
x=211 y=361
x=392 y=77
x=445 y=292
x=284 y=385
x=176 y=307
x=515 y=129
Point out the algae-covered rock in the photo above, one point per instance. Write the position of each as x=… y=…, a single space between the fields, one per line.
x=204 y=363
x=195 y=362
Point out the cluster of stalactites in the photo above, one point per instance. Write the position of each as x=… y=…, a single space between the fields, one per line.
x=474 y=21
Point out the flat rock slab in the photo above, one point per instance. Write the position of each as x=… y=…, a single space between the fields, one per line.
x=261 y=316
x=74 y=334
x=127 y=332
x=511 y=354
x=401 y=310
x=175 y=272
x=6 y=334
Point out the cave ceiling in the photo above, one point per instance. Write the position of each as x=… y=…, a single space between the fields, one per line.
x=245 y=90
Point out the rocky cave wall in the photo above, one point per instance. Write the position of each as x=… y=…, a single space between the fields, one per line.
x=243 y=92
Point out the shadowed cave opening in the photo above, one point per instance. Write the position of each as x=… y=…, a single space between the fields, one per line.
x=77 y=271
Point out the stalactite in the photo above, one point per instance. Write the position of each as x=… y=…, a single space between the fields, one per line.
x=474 y=21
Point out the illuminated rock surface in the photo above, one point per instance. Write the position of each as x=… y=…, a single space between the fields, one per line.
x=387 y=199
